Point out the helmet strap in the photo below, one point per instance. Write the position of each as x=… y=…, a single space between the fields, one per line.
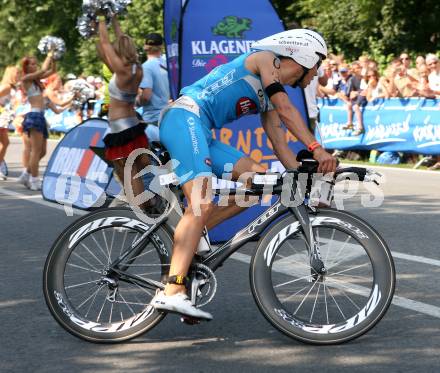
x=305 y=72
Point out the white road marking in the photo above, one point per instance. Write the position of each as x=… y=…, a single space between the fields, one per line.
x=37 y=198
x=409 y=304
x=416 y=258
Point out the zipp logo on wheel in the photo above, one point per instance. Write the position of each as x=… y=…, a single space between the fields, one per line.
x=102 y=223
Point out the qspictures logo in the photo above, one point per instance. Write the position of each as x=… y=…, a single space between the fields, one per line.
x=232 y=27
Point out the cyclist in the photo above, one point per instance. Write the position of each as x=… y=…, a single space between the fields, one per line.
x=249 y=84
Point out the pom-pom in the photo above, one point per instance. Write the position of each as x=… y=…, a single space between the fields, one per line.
x=51 y=43
x=91 y=8
x=82 y=93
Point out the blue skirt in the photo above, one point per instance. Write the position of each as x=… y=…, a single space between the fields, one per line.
x=37 y=121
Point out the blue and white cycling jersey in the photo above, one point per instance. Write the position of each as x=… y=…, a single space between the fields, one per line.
x=229 y=92
x=224 y=95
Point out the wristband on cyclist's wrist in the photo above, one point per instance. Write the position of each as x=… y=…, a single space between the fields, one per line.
x=313 y=146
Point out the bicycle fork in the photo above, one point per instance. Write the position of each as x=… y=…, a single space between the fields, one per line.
x=317 y=266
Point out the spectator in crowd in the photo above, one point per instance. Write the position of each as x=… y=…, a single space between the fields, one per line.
x=342 y=90
x=404 y=82
x=55 y=91
x=70 y=81
x=155 y=93
x=7 y=90
x=372 y=65
x=422 y=86
x=376 y=89
x=358 y=96
x=420 y=60
x=364 y=62
x=99 y=88
x=310 y=93
x=387 y=80
x=433 y=64
x=405 y=59
x=335 y=73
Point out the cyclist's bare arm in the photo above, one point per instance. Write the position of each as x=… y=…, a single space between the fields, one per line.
x=268 y=66
x=275 y=131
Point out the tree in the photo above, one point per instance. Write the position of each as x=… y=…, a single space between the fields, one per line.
x=25 y=22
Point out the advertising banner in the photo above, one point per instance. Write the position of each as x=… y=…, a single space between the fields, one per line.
x=172 y=16
x=395 y=124
x=75 y=175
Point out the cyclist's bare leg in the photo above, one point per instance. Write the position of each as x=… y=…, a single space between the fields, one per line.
x=189 y=230
x=137 y=183
x=222 y=213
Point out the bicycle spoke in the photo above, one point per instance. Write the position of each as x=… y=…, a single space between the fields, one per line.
x=340 y=251
x=111 y=242
x=97 y=290
x=85 y=261
x=291 y=296
x=111 y=314
x=83 y=245
x=337 y=305
x=106 y=247
x=292 y=281
x=85 y=269
x=99 y=246
x=325 y=301
x=102 y=307
x=330 y=244
x=81 y=284
x=125 y=302
x=346 y=270
x=143 y=289
x=351 y=301
x=137 y=304
x=91 y=304
x=314 y=303
x=305 y=297
x=123 y=242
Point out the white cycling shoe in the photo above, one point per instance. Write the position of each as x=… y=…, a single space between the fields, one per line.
x=178 y=303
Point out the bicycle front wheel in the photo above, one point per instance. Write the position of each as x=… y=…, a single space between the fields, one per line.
x=333 y=308
x=87 y=297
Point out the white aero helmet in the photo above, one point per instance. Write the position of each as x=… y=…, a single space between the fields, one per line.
x=304 y=46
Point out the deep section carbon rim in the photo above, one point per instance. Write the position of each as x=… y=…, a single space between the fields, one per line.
x=95 y=300
x=342 y=304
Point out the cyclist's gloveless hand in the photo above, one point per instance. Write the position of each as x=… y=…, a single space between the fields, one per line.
x=327 y=163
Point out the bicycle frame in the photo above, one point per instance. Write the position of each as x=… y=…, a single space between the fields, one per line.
x=251 y=231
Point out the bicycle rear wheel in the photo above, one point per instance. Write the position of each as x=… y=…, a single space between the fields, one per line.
x=346 y=302
x=90 y=300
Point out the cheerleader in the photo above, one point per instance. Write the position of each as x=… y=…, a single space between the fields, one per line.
x=7 y=89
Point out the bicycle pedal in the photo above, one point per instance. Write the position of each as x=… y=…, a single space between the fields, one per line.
x=190 y=320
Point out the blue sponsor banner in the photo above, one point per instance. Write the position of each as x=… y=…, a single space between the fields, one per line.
x=214 y=33
x=75 y=175
x=172 y=16
x=404 y=125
